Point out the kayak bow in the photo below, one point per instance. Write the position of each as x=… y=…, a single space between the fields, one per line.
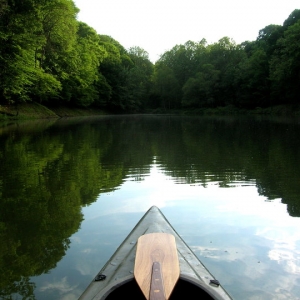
x=122 y=276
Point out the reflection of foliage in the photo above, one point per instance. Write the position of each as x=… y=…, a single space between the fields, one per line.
x=41 y=198
x=230 y=150
x=36 y=222
x=47 y=175
x=23 y=286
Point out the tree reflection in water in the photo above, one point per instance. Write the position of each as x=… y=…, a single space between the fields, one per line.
x=49 y=172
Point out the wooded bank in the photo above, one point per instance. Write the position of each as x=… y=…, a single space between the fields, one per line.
x=27 y=111
x=47 y=56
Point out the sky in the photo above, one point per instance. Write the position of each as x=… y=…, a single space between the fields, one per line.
x=159 y=25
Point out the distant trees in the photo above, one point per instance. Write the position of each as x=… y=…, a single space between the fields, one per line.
x=127 y=75
x=139 y=79
x=47 y=56
x=285 y=63
x=260 y=73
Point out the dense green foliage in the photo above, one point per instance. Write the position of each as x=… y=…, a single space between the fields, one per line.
x=48 y=56
x=253 y=74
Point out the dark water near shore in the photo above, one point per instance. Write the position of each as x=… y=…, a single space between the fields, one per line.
x=71 y=190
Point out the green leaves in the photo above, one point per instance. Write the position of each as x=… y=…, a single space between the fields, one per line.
x=166 y=88
x=285 y=66
x=200 y=91
x=254 y=74
x=138 y=79
x=36 y=36
x=46 y=55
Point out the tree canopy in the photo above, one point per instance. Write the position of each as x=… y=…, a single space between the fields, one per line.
x=48 y=56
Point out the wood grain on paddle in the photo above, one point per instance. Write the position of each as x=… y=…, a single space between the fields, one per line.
x=156 y=247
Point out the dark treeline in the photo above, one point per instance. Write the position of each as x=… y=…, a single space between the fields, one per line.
x=48 y=56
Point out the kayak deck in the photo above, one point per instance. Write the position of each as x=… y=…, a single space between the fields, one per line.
x=119 y=269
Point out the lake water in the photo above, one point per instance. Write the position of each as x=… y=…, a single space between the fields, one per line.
x=72 y=189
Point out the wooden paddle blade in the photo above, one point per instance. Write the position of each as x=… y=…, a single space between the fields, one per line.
x=161 y=248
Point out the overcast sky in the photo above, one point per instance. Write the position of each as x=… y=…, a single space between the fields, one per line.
x=158 y=25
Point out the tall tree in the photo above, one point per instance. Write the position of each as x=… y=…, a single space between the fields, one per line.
x=251 y=80
x=81 y=65
x=285 y=67
x=293 y=18
x=225 y=55
x=17 y=39
x=139 y=79
x=58 y=34
x=166 y=88
x=114 y=68
x=200 y=91
x=268 y=37
x=35 y=36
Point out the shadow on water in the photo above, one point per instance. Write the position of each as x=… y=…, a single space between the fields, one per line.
x=49 y=170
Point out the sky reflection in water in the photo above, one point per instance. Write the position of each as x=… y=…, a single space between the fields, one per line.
x=206 y=174
x=247 y=242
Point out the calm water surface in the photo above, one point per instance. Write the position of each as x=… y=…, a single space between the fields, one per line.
x=71 y=191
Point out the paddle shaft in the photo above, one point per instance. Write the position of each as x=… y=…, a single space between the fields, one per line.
x=157 y=291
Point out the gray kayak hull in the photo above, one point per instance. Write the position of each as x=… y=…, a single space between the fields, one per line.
x=118 y=270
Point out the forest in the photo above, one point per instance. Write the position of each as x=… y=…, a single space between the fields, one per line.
x=49 y=57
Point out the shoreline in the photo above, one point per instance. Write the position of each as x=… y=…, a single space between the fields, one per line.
x=36 y=111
